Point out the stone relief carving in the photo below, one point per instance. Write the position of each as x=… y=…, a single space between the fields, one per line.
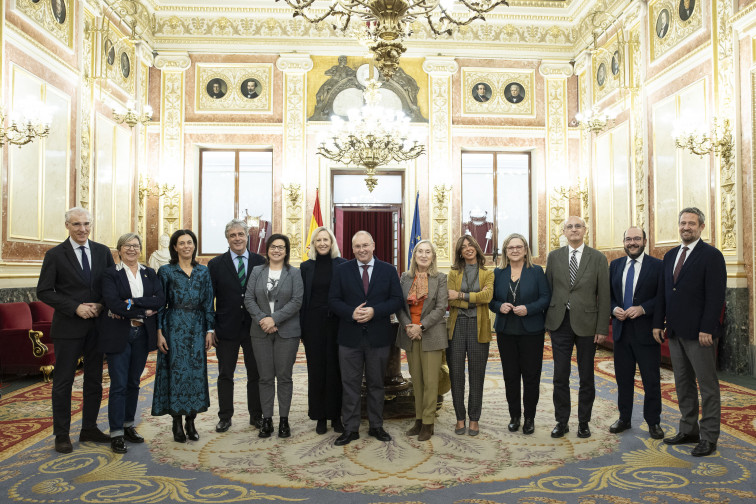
x=293 y=218
x=498 y=92
x=556 y=153
x=639 y=151
x=441 y=222
x=172 y=144
x=85 y=156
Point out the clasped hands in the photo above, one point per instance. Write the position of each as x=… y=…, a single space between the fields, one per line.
x=363 y=314
x=88 y=310
x=414 y=331
x=630 y=313
x=519 y=310
x=268 y=325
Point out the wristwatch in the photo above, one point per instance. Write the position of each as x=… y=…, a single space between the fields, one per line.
x=422 y=327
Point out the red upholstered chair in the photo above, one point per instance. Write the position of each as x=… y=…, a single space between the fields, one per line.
x=21 y=348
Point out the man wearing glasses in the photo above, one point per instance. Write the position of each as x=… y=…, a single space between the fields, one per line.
x=69 y=281
x=634 y=284
x=577 y=316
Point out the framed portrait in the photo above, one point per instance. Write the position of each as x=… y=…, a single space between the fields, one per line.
x=125 y=65
x=662 y=24
x=686 y=8
x=514 y=92
x=251 y=89
x=615 y=63
x=216 y=88
x=109 y=52
x=601 y=74
x=59 y=10
x=481 y=92
x=55 y=17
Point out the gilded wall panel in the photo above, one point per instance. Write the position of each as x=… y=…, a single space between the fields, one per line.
x=55 y=16
x=672 y=21
x=498 y=92
x=234 y=87
x=608 y=69
x=612 y=187
x=87 y=97
x=557 y=166
x=118 y=60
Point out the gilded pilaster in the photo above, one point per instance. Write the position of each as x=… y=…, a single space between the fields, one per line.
x=557 y=163
x=440 y=69
x=638 y=135
x=172 y=101
x=583 y=68
x=84 y=168
x=294 y=68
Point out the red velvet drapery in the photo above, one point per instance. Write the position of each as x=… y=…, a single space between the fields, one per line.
x=378 y=223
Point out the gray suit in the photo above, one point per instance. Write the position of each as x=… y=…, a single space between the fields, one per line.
x=588 y=315
x=275 y=353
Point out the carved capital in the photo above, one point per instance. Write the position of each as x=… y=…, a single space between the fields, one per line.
x=173 y=60
x=294 y=62
x=555 y=68
x=145 y=54
x=440 y=66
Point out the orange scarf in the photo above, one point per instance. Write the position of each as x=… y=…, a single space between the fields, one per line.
x=419 y=290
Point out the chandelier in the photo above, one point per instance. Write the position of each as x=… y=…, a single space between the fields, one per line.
x=130 y=116
x=388 y=22
x=373 y=136
x=701 y=142
x=594 y=121
x=23 y=129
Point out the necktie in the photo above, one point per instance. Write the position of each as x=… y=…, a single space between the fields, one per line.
x=627 y=301
x=85 y=264
x=573 y=267
x=679 y=264
x=365 y=277
x=242 y=272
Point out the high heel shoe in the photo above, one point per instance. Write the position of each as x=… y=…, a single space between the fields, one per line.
x=178 y=430
x=191 y=431
x=284 y=430
x=267 y=427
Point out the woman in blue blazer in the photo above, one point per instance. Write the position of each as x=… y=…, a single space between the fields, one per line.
x=521 y=297
x=127 y=332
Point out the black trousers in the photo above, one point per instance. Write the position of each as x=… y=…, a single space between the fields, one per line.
x=648 y=357
x=323 y=371
x=67 y=353
x=228 y=354
x=562 y=342
x=521 y=361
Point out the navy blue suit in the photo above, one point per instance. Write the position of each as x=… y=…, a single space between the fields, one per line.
x=691 y=305
x=364 y=346
x=634 y=341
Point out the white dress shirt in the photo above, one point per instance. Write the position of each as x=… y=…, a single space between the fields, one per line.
x=77 y=250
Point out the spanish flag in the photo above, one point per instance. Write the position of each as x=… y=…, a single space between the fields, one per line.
x=315 y=222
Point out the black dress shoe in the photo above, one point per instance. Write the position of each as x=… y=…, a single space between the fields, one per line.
x=178 y=430
x=528 y=427
x=284 y=430
x=704 y=448
x=118 y=445
x=266 y=429
x=131 y=435
x=560 y=430
x=223 y=425
x=256 y=421
x=583 y=430
x=95 y=435
x=322 y=426
x=337 y=425
x=346 y=438
x=655 y=431
x=191 y=430
x=379 y=434
x=619 y=426
x=514 y=424
x=681 y=438
x=63 y=444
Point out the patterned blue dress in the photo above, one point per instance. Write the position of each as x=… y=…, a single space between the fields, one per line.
x=181 y=375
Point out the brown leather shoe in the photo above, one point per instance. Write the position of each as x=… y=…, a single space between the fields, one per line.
x=63 y=444
x=426 y=431
x=415 y=430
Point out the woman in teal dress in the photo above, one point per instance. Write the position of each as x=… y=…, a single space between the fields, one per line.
x=185 y=334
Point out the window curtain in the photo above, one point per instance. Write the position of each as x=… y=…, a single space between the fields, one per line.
x=376 y=222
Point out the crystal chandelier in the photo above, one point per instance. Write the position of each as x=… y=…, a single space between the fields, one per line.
x=373 y=136
x=130 y=116
x=23 y=129
x=388 y=22
x=594 y=121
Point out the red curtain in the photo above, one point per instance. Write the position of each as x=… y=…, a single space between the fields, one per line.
x=378 y=223
x=258 y=237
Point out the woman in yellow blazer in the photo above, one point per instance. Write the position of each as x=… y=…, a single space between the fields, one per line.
x=470 y=287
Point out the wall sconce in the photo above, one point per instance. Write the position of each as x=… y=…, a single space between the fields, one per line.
x=702 y=143
x=131 y=116
x=594 y=121
x=23 y=129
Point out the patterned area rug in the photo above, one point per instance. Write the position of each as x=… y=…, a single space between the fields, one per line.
x=495 y=467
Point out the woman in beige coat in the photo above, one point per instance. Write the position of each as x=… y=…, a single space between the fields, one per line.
x=422 y=333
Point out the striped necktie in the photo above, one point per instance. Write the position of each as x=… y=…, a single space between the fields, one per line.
x=242 y=271
x=573 y=267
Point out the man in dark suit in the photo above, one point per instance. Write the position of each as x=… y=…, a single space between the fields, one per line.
x=229 y=273
x=364 y=293
x=635 y=280
x=692 y=298
x=578 y=316
x=480 y=94
x=69 y=281
x=250 y=90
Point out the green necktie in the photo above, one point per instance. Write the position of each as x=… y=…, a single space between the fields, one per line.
x=242 y=271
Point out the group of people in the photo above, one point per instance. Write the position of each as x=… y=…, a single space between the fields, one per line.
x=341 y=310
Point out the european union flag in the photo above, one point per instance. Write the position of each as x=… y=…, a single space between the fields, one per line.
x=415 y=235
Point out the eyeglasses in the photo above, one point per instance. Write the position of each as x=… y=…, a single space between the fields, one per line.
x=515 y=248
x=278 y=247
x=637 y=239
x=574 y=226
x=80 y=224
x=133 y=246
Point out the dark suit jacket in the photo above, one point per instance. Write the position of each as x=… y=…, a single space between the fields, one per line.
x=307 y=269
x=694 y=304
x=384 y=296
x=112 y=333
x=639 y=329
x=588 y=297
x=534 y=294
x=62 y=286
x=232 y=320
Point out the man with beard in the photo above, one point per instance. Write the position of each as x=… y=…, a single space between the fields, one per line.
x=634 y=283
